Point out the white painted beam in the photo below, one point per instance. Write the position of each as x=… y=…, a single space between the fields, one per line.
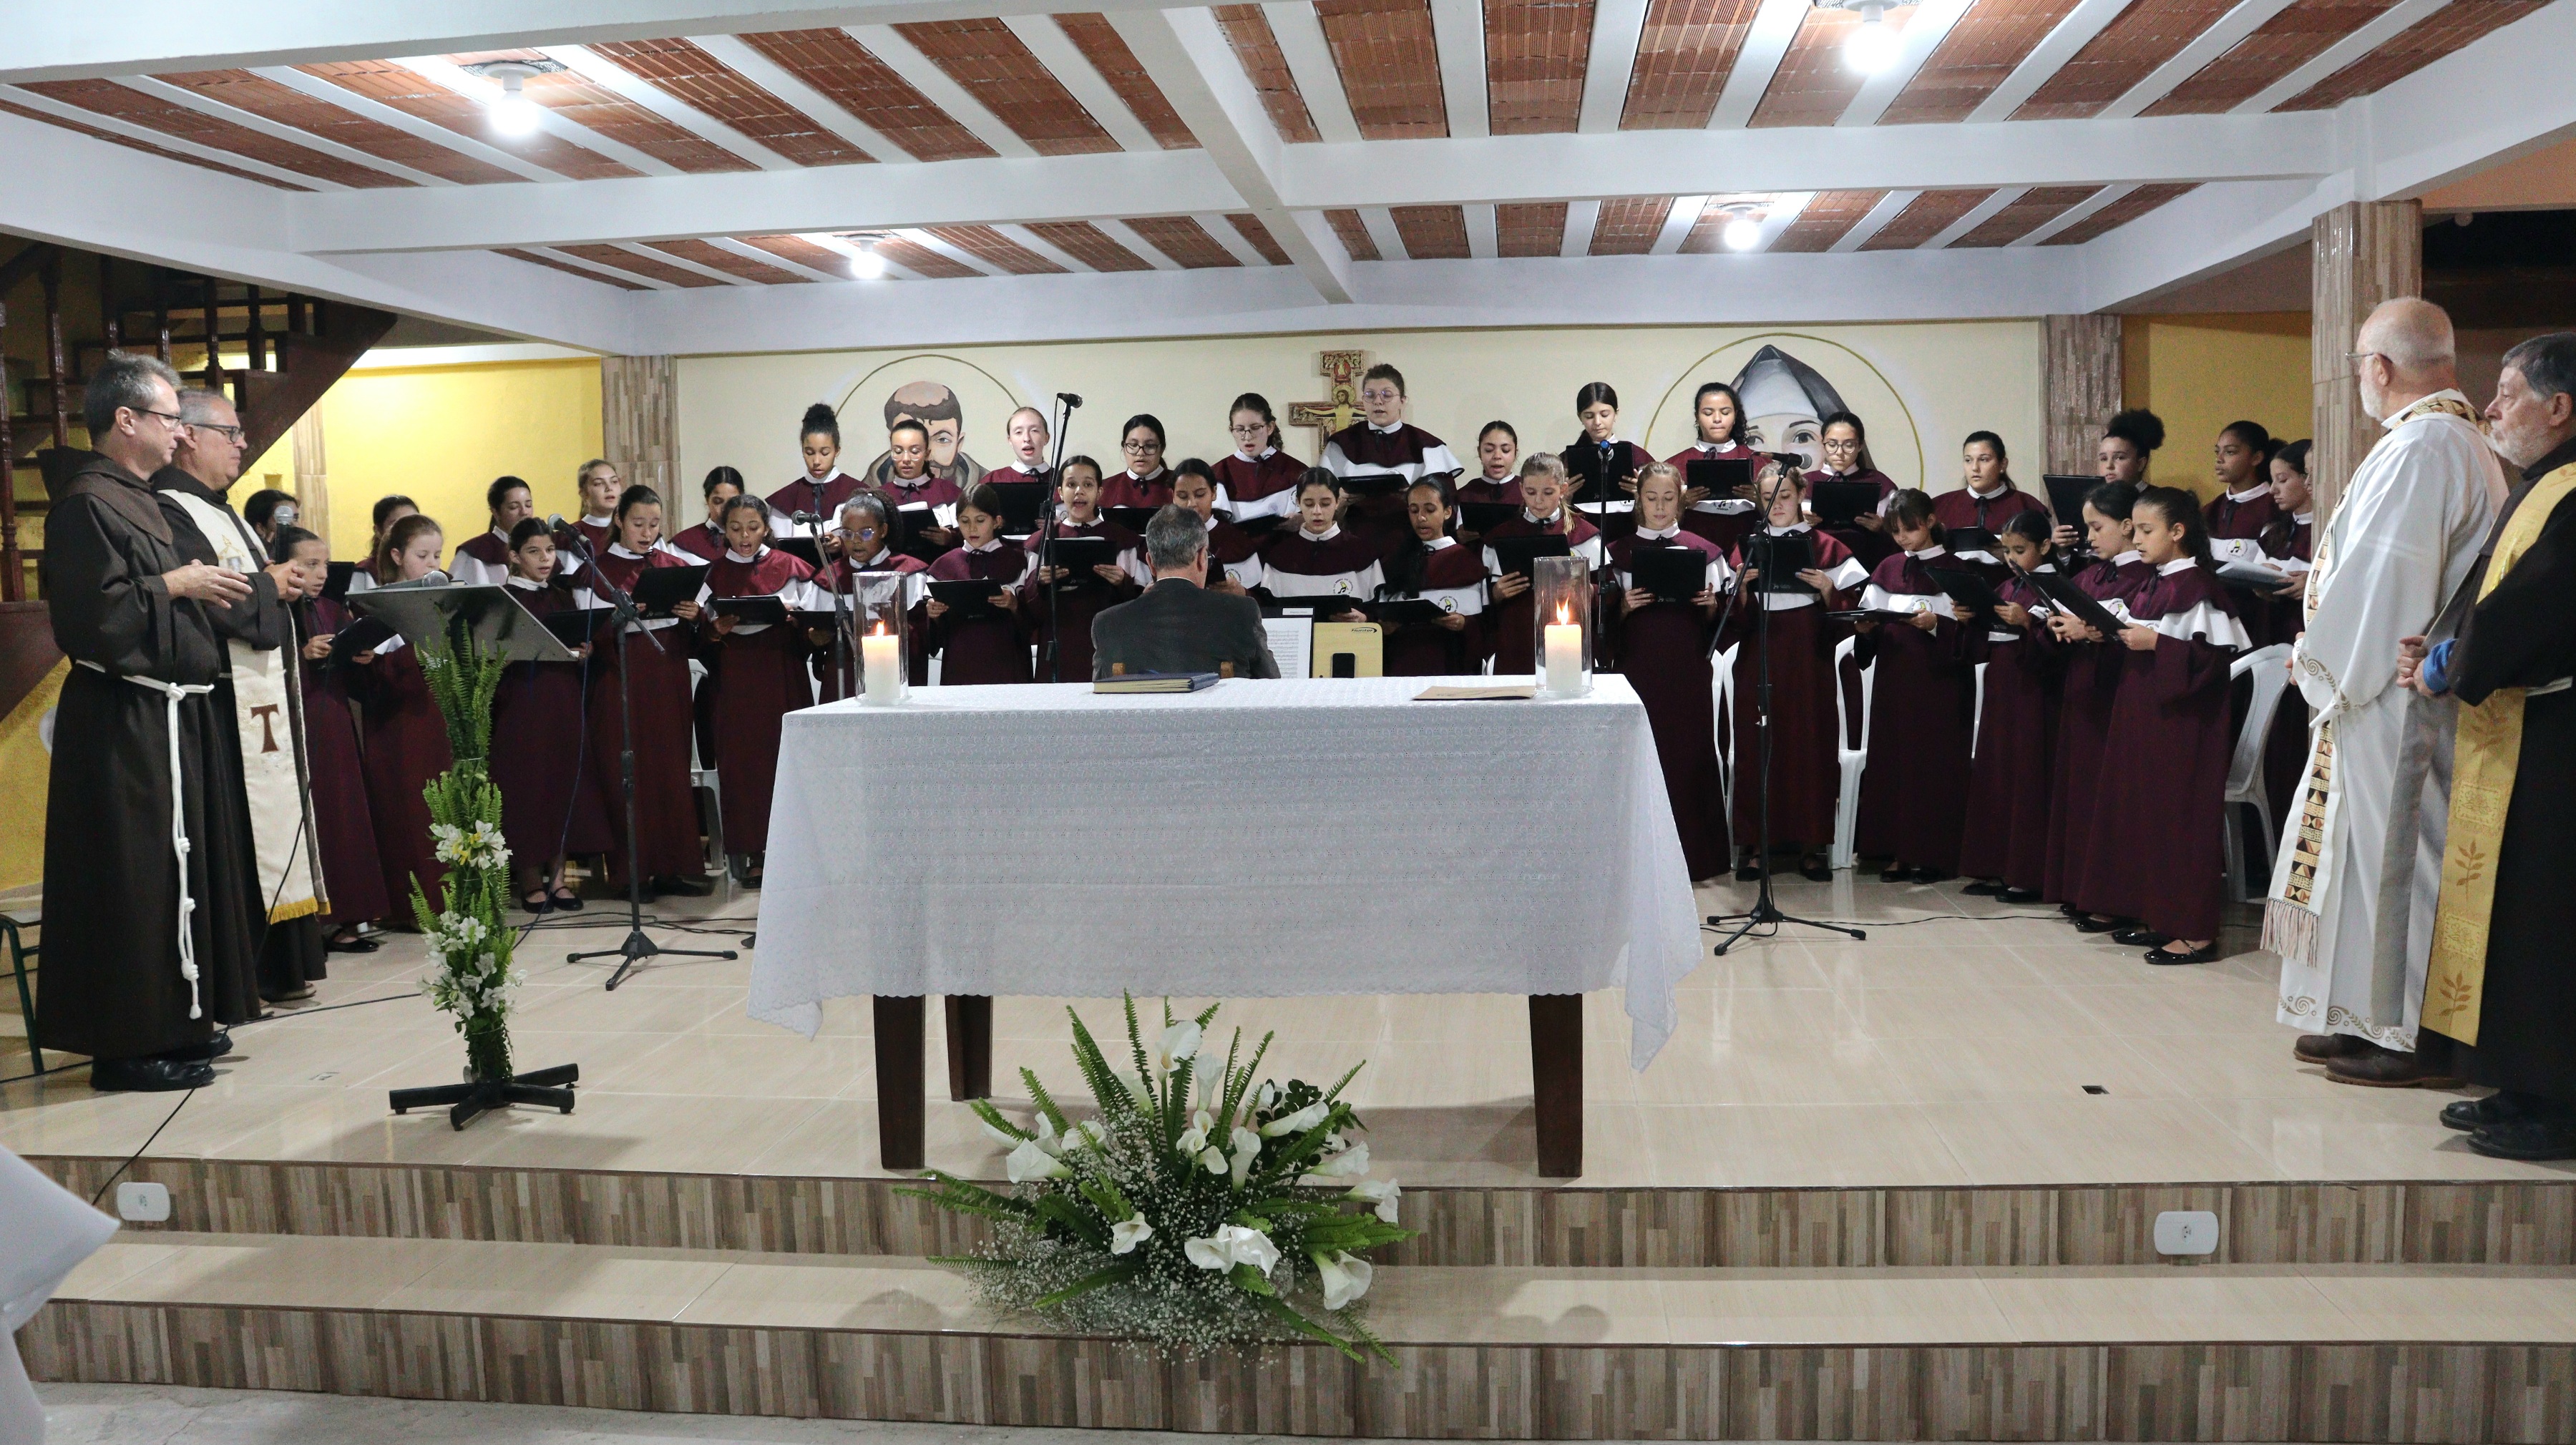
x=958 y=254
x=1774 y=27
x=204 y=104
x=894 y=271
x=2221 y=37
x=1458 y=30
x=887 y=44
x=1871 y=224
x=1381 y=229
x=584 y=263
x=1616 y=25
x=684 y=263
x=2064 y=41
x=772 y=258
x=2074 y=215
x=349 y=100
x=1976 y=215
x=1922 y=34
x=1310 y=63
x=474 y=87
x=1482 y=240
x=1044 y=247
x=1784 y=213
x=1074 y=71
x=47 y=105
x=1146 y=251
x=1223 y=232
x=2386 y=26
x=1677 y=225
x=779 y=81
x=607 y=74
x=1581 y=217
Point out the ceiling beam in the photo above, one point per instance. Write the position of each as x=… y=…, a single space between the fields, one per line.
x=555 y=123
x=2386 y=26
x=2064 y=39
x=1774 y=26
x=607 y=74
x=1977 y=215
x=1458 y=32
x=2222 y=36
x=1074 y=71
x=1923 y=34
x=778 y=80
x=204 y=104
x=1616 y=24
x=889 y=45
x=1871 y=224
x=1300 y=32
x=409 y=124
x=181 y=145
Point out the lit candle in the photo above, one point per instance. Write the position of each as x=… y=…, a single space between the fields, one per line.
x=881 y=666
x=1564 y=655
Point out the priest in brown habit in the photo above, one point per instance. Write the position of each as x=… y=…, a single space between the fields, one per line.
x=152 y=906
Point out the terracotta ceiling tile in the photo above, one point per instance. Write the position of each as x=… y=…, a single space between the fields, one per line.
x=922 y=261
x=1530 y=229
x=1535 y=54
x=732 y=263
x=147 y=147
x=1090 y=245
x=1432 y=233
x=413 y=93
x=1000 y=70
x=286 y=105
x=1828 y=215
x=1684 y=54
x=1101 y=44
x=134 y=107
x=1389 y=64
x=1814 y=84
x=986 y=244
x=2027 y=212
x=1184 y=240
x=802 y=252
x=2415 y=47
x=625 y=260
x=550 y=263
x=1978 y=54
x=1256 y=46
x=690 y=74
x=2280 y=45
x=1354 y=235
x=1250 y=227
x=2120 y=212
x=2146 y=35
x=1927 y=216
x=586 y=102
x=1629 y=225
x=868 y=88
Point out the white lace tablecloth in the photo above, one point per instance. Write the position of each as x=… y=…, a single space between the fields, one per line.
x=1257 y=839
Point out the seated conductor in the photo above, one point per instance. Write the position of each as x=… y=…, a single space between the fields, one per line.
x=1178 y=625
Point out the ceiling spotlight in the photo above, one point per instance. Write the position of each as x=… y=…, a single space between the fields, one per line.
x=514 y=113
x=867 y=265
x=1743 y=228
x=1873 y=44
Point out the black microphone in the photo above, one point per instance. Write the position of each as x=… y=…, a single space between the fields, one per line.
x=1069 y=399
x=572 y=535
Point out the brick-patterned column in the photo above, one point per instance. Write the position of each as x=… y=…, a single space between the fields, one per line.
x=639 y=405
x=312 y=475
x=2079 y=384
x=2364 y=252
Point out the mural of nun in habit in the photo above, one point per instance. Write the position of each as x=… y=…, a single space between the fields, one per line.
x=1785 y=404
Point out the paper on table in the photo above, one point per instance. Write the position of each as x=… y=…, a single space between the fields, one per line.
x=1292 y=643
x=1453 y=693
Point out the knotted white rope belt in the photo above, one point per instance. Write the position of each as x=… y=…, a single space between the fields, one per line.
x=172 y=693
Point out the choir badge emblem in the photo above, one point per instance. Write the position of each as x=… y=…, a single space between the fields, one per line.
x=1448 y=604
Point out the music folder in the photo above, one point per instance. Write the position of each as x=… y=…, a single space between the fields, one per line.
x=576 y=625
x=1516 y=553
x=2066 y=496
x=1078 y=555
x=1837 y=503
x=1781 y=556
x=1967 y=589
x=364 y=635
x=1374 y=484
x=659 y=589
x=1673 y=574
x=769 y=610
x=1134 y=519
x=968 y=599
x=1402 y=611
x=1483 y=517
x=2063 y=594
x=803 y=549
x=1719 y=478
x=1020 y=504
x=335 y=583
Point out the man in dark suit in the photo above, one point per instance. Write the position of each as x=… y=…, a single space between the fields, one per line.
x=1178 y=625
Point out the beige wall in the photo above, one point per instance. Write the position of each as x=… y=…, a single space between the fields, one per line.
x=2201 y=372
x=1920 y=387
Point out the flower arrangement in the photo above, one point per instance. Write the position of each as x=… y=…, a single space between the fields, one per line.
x=1200 y=1209
x=466 y=932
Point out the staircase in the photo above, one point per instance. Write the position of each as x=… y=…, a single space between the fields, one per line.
x=272 y=353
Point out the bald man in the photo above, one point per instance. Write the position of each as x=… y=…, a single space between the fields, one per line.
x=2358 y=873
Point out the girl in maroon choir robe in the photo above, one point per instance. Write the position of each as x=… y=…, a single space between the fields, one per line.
x=1663 y=652
x=760 y=675
x=1434 y=567
x=1514 y=622
x=1600 y=453
x=1846 y=448
x=1257 y=479
x=1797 y=638
x=2291 y=538
x=2087 y=687
x=1986 y=498
x=657 y=692
x=551 y=805
x=1069 y=659
x=405 y=739
x=1319 y=559
x=2154 y=850
x=485 y=560
x=1234 y=555
x=706 y=541
x=1383 y=443
x=344 y=833
x=911 y=488
x=388 y=510
x=1914 y=792
x=1719 y=416
x=1028 y=435
x=2129 y=442
x=866 y=527
x=823 y=486
x=982 y=650
x=2004 y=845
x=1498 y=467
x=2244 y=505
x=600 y=488
x=1146 y=482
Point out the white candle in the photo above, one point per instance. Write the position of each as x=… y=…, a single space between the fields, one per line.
x=881 y=666
x=1564 y=656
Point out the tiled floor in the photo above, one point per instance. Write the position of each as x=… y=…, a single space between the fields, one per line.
x=1942 y=1050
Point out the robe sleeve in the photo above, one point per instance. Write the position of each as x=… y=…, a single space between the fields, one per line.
x=2394 y=558
x=2523 y=634
x=2184 y=667
x=104 y=608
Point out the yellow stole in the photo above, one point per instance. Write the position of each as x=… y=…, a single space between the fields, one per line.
x=2488 y=753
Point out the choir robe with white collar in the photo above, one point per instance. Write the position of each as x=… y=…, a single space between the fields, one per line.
x=1262 y=486
x=1236 y=554
x=596 y=533
x=1452 y=575
x=991 y=649
x=405 y=745
x=1297 y=565
x=1082 y=599
x=1126 y=489
x=1914 y=791
x=1806 y=749
x=929 y=495
x=1405 y=450
x=482 y=561
x=1014 y=473
x=666 y=807
x=1515 y=619
x=2006 y=833
x=1870 y=547
x=1662 y=649
x=1723 y=520
x=551 y=803
x=1505 y=490
x=1619 y=460
x=2088 y=686
x=2242 y=515
x=837 y=574
x=342 y=827
x=1962 y=507
x=759 y=679
x=2155 y=847
x=823 y=499
x=704 y=542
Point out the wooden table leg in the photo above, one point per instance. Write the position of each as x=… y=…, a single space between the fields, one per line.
x=970 y=1046
x=1556 y=1069
x=899 y=1062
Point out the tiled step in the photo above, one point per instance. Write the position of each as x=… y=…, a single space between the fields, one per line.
x=2160 y=1352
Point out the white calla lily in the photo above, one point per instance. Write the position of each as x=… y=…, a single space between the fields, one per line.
x=1381 y=1192
x=1247 y=1148
x=1002 y=1137
x=1210 y=1071
x=1351 y=1163
x=1299 y=1122
x=1212 y=1159
x=1033 y=1160
x=1232 y=1244
x=1126 y=1234
x=1345 y=1277
x=1178 y=1042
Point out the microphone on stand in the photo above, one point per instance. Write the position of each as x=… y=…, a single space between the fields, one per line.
x=1069 y=399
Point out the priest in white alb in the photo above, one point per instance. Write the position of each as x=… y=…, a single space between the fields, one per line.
x=2359 y=867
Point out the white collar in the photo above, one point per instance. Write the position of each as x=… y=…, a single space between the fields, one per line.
x=618 y=549
x=1615 y=441
x=1211 y=521
x=1133 y=476
x=522 y=583
x=1659 y=533
x=1784 y=531
x=1326 y=535
x=1928 y=553
x=502 y=537
x=2179 y=564
x=1838 y=476
x=1384 y=431
x=1266 y=454
x=993 y=546
x=2257 y=490
x=1505 y=480
x=1711 y=446
x=1971 y=490
x=2304 y=519
x=733 y=556
x=1065 y=519
x=916 y=484
x=2125 y=558
x=1436 y=543
x=605 y=519
x=1024 y=469
x=1550 y=520
x=2048 y=567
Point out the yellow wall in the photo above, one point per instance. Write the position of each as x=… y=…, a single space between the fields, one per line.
x=439 y=435
x=2201 y=372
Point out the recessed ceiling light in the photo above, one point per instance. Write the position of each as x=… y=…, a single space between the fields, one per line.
x=868 y=265
x=1873 y=44
x=1743 y=229
x=514 y=111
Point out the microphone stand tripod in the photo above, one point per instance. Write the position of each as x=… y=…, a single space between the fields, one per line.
x=631 y=953
x=1758 y=550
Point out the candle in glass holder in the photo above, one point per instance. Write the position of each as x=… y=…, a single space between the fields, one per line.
x=881 y=666
x=1564 y=660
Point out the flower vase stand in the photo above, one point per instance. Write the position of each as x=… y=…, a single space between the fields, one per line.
x=466 y=1101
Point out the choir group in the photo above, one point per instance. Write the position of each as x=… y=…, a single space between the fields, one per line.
x=2087 y=768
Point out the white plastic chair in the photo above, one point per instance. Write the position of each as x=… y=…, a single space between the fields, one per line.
x=2268 y=667
x=1722 y=684
x=1854 y=758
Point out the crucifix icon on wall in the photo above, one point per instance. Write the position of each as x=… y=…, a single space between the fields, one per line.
x=1341 y=404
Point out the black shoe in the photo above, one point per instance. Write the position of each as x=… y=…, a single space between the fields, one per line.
x=564 y=900
x=2470 y=1115
x=698 y=886
x=1748 y=871
x=1931 y=875
x=2018 y=896
x=149 y=1076
x=2207 y=954
x=1896 y=873
x=1815 y=871
x=2087 y=923
x=2141 y=938
x=2536 y=1138
x=1984 y=888
x=205 y=1053
x=336 y=944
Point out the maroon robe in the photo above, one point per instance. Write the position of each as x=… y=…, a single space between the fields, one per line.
x=1486 y=489
x=1723 y=520
x=596 y=535
x=1512 y=622
x=823 y=498
x=2241 y=521
x=1009 y=472
x=488 y=550
x=551 y=803
x=762 y=679
x=2087 y=688
x=1251 y=481
x=930 y=490
x=666 y=805
x=1626 y=460
x=1663 y=652
x=1806 y=730
x=2006 y=833
x=1426 y=649
x=1083 y=601
x=1962 y=508
x=2153 y=850
x=344 y=832
x=705 y=541
x=406 y=746
x=1870 y=547
x=986 y=650
x=1914 y=790
x=1126 y=489
x=1406 y=451
x=1296 y=566
x=2285 y=750
x=836 y=574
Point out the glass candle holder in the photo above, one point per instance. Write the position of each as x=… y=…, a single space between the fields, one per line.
x=1561 y=594
x=881 y=615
